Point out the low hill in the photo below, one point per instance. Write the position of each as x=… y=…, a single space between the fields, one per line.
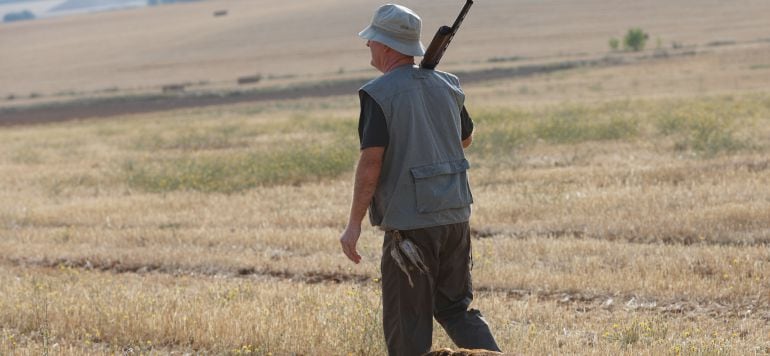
x=86 y=5
x=313 y=40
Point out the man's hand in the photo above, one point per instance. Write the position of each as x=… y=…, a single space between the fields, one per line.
x=348 y=240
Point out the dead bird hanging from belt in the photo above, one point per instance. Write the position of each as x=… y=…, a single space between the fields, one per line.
x=401 y=248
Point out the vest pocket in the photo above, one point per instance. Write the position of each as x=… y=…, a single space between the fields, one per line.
x=442 y=186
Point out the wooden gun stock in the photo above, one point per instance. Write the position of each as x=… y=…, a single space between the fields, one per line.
x=442 y=39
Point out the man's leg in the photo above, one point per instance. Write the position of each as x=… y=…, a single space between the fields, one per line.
x=453 y=294
x=407 y=311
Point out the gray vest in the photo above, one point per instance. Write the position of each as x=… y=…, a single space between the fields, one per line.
x=423 y=181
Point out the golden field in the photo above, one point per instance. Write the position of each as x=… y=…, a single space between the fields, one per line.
x=620 y=239
x=618 y=209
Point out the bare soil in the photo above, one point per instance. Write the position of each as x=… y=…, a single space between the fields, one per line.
x=119 y=106
x=580 y=300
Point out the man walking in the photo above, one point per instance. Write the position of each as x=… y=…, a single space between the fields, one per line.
x=411 y=175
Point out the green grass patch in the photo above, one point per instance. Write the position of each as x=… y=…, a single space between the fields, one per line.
x=705 y=126
x=224 y=137
x=712 y=135
x=581 y=124
x=500 y=132
x=207 y=156
x=214 y=156
x=710 y=127
x=229 y=173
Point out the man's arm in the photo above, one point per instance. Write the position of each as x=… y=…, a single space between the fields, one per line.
x=466 y=123
x=467 y=142
x=367 y=176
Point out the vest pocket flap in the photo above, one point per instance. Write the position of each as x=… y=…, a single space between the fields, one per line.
x=442 y=186
x=460 y=165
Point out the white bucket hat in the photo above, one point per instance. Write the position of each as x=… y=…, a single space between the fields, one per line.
x=397 y=27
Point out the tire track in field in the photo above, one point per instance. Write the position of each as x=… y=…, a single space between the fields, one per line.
x=584 y=301
x=114 y=106
x=580 y=301
x=692 y=239
x=120 y=267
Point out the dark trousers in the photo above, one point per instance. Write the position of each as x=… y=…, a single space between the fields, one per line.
x=444 y=293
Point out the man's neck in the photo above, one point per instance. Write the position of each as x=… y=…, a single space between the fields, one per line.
x=398 y=63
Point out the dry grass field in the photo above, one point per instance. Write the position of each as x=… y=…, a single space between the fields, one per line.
x=618 y=209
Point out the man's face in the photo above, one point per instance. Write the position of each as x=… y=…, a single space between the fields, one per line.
x=378 y=54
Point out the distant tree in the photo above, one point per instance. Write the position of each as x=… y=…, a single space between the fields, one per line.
x=614 y=44
x=635 y=39
x=18 y=16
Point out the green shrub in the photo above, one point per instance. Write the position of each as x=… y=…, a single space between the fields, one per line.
x=635 y=39
x=614 y=44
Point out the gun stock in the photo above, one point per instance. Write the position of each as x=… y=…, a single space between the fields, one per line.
x=442 y=39
x=436 y=48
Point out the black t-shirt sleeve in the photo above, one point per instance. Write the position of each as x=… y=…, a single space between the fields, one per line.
x=372 y=127
x=466 y=124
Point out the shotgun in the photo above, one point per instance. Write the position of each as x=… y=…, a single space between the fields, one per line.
x=441 y=40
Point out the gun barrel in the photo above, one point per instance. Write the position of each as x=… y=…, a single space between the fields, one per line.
x=461 y=17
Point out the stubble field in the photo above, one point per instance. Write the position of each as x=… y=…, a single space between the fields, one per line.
x=618 y=210
x=618 y=227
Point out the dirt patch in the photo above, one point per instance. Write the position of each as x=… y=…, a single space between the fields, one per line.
x=109 y=107
x=581 y=301
x=119 y=267
x=684 y=238
x=102 y=108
